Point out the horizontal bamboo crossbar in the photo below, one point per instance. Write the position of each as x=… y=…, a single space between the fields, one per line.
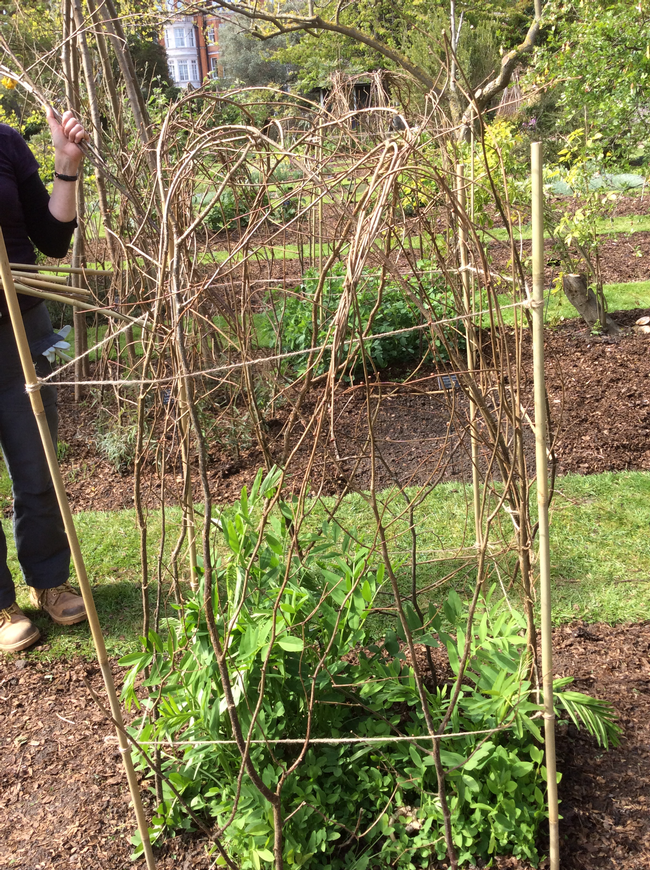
x=56 y=279
x=47 y=285
x=69 y=300
x=68 y=270
x=328 y=741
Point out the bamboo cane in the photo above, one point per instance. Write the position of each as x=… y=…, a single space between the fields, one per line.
x=37 y=276
x=38 y=293
x=77 y=557
x=66 y=270
x=189 y=520
x=542 y=498
x=320 y=203
x=69 y=300
x=70 y=65
x=46 y=285
x=468 y=304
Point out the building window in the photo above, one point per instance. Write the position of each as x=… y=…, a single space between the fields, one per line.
x=190 y=37
x=179 y=37
x=195 y=70
x=214 y=67
x=210 y=34
x=167 y=40
x=172 y=69
x=182 y=71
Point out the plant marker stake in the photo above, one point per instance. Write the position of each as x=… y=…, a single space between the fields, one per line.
x=542 y=497
x=33 y=388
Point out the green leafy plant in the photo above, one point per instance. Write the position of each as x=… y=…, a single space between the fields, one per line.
x=234 y=207
x=229 y=213
x=116 y=443
x=596 y=716
x=598 y=68
x=500 y=166
x=395 y=311
x=301 y=659
x=62 y=450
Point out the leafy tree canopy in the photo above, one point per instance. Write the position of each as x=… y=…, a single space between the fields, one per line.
x=596 y=61
x=415 y=29
x=250 y=61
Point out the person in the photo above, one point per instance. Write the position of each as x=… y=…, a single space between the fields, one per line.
x=30 y=218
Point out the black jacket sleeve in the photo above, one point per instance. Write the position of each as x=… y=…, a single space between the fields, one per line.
x=51 y=236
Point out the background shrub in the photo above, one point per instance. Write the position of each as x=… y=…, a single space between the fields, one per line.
x=396 y=311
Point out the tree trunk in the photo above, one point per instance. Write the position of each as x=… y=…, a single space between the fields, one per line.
x=585 y=301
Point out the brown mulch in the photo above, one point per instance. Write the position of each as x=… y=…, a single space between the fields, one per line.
x=602 y=389
x=623 y=258
x=64 y=800
x=606 y=795
x=599 y=399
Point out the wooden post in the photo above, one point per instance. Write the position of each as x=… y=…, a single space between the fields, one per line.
x=588 y=304
x=33 y=388
x=69 y=62
x=542 y=498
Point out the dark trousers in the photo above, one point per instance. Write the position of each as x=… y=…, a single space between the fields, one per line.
x=41 y=542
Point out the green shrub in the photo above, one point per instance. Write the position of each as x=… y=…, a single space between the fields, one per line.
x=229 y=213
x=395 y=312
x=233 y=209
x=296 y=628
x=116 y=441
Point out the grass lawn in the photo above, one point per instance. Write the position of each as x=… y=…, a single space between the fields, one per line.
x=604 y=226
x=97 y=335
x=620 y=297
x=599 y=545
x=624 y=224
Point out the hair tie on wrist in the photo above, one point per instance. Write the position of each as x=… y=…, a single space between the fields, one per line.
x=65 y=177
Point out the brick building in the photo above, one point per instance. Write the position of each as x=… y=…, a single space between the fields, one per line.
x=208 y=30
x=192 y=46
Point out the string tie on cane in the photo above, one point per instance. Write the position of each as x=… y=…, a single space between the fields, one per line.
x=33 y=388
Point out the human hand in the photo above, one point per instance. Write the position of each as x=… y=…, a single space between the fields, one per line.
x=66 y=138
x=59 y=346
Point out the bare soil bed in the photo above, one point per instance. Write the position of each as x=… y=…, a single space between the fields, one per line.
x=64 y=801
x=624 y=258
x=599 y=397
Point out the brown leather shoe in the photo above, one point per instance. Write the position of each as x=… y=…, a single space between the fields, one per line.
x=16 y=630
x=62 y=603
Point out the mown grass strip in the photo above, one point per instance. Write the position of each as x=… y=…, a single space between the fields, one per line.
x=620 y=297
x=604 y=226
x=607 y=226
x=600 y=551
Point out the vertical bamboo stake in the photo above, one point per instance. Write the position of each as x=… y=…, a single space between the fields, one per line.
x=186 y=434
x=100 y=181
x=50 y=452
x=112 y=24
x=311 y=229
x=320 y=201
x=79 y=248
x=68 y=61
x=188 y=495
x=542 y=497
x=468 y=304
